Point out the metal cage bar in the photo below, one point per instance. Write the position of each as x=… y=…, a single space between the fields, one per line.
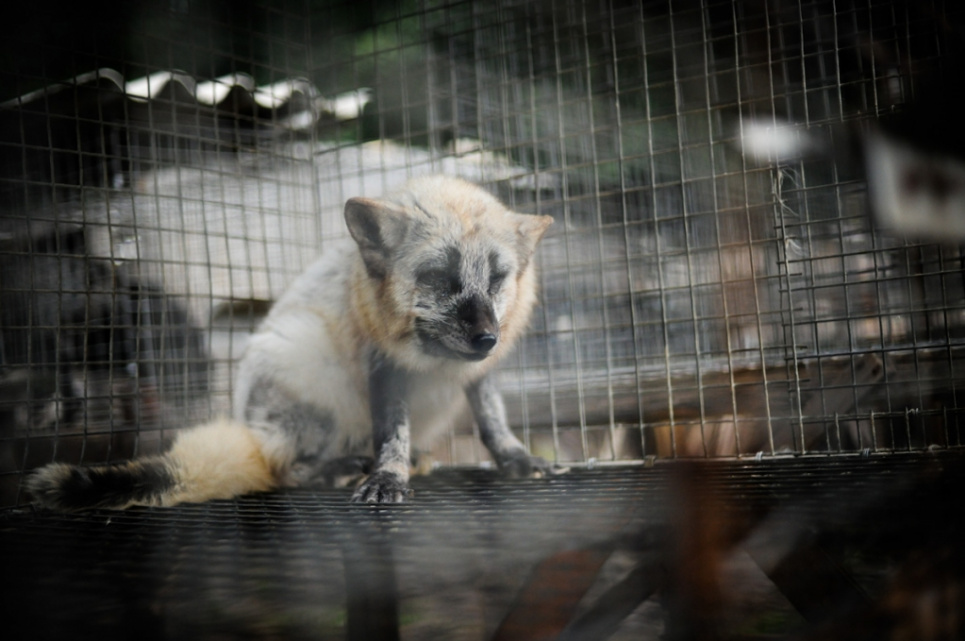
x=715 y=285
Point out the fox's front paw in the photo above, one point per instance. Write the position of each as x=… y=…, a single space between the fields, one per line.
x=521 y=464
x=382 y=487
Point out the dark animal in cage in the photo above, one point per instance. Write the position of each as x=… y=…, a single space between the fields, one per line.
x=85 y=342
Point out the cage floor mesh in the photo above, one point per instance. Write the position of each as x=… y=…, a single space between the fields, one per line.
x=745 y=549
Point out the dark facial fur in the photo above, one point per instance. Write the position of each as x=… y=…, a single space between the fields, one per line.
x=455 y=297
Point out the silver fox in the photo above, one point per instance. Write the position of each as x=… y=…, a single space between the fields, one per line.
x=378 y=343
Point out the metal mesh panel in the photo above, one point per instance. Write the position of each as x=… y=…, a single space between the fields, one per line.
x=714 y=284
x=837 y=547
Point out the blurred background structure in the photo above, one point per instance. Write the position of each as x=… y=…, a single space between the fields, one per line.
x=760 y=211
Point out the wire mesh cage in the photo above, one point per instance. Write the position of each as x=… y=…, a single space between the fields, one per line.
x=755 y=275
x=714 y=286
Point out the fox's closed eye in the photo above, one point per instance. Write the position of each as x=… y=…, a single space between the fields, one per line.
x=496 y=280
x=439 y=280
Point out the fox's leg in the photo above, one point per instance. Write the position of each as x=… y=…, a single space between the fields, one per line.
x=389 y=481
x=489 y=411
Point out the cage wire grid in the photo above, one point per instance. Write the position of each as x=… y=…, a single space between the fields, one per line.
x=718 y=286
x=307 y=564
x=699 y=297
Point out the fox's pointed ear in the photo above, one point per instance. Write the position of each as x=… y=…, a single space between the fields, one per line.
x=378 y=228
x=529 y=231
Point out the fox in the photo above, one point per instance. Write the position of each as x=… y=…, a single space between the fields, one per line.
x=373 y=351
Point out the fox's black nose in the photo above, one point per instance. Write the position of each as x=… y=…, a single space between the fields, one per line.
x=483 y=342
x=479 y=324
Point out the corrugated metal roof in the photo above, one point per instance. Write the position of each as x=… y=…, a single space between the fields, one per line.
x=293 y=103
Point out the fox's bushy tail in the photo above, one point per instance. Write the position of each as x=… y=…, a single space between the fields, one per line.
x=217 y=460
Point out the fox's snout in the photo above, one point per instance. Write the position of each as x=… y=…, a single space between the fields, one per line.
x=478 y=319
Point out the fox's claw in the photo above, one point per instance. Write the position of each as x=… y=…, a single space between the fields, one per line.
x=521 y=464
x=382 y=487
